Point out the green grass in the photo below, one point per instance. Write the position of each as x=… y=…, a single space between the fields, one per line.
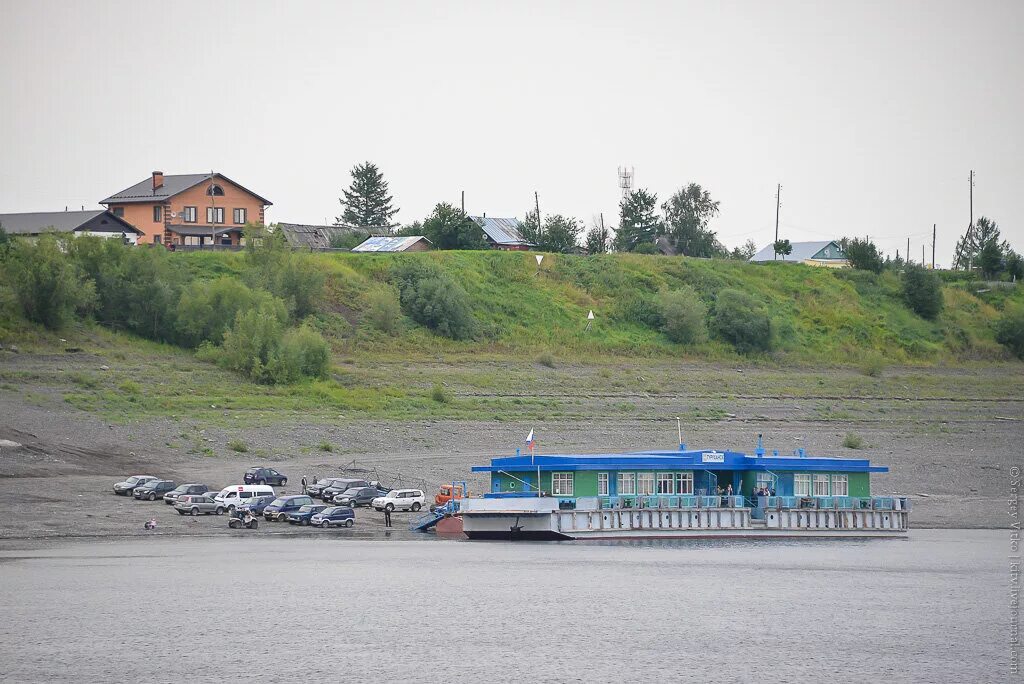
x=238 y=446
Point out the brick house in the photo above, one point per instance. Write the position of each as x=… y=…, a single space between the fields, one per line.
x=189 y=209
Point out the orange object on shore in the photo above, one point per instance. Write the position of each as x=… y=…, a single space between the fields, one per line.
x=449 y=492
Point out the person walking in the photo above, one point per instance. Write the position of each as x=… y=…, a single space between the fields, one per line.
x=303 y=484
x=387 y=517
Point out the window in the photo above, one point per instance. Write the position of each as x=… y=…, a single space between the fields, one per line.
x=840 y=485
x=645 y=484
x=215 y=214
x=156 y=240
x=602 y=484
x=764 y=480
x=684 y=483
x=561 y=484
x=239 y=217
x=118 y=211
x=820 y=485
x=666 y=483
x=626 y=484
x=158 y=214
x=188 y=214
x=215 y=190
x=801 y=484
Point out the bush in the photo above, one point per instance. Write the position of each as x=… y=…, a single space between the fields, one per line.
x=1010 y=330
x=383 y=311
x=48 y=286
x=238 y=445
x=641 y=308
x=252 y=343
x=325 y=446
x=683 y=315
x=433 y=299
x=440 y=394
x=852 y=441
x=303 y=353
x=922 y=290
x=207 y=308
x=863 y=255
x=348 y=239
x=741 y=320
x=646 y=248
x=873 y=365
x=293 y=277
x=546 y=360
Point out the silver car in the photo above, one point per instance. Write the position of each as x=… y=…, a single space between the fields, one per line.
x=194 y=504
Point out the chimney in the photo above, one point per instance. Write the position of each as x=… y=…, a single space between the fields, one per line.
x=158 y=180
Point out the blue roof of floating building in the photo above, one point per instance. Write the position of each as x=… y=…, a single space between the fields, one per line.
x=695 y=459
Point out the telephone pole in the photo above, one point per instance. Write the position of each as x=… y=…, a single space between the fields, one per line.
x=970 y=226
x=604 y=234
x=908 y=251
x=933 y=246
x=536 y=204
x=778 y=203
x=463 y=201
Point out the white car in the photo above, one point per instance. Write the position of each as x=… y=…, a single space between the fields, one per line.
x=234 y=496
x=404 y=499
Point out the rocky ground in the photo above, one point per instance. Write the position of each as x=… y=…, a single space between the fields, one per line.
x=951 y=450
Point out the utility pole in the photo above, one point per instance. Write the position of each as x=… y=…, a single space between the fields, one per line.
x=933 y=246
x=778 y=203
x=604 y=234
x=970 y=226
x=536 y=204
x=922 y=255
x=908 y=251
x=463 y=201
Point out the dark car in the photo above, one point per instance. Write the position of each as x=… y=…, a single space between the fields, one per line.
x=184 y=490
x=265 y=476
x=280 y=507
x=337 y=516
x=154 y=489
x=357 y=496
x=315 y=489
x=128 y=486
x=257 y=504
x=302 y=516
x=339 y=485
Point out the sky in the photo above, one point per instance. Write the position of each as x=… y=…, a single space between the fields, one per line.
x=870 y=114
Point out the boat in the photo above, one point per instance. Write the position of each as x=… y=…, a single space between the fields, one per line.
x=681 y=493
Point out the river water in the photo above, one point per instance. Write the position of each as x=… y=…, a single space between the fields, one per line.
x=932 y=608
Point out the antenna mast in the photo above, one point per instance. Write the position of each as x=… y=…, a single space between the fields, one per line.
x=626 y=181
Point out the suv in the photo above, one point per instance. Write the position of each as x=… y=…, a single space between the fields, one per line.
x=194 y=504
x=404 y=499
x=154 y=489
x=315 y=489
x=342 y=516
x=182 y=490
x=128 y=486
x=256 y=504
x=357 y=496
x=340 y=485
x=264 y=476
x=302 y=516
x=279 y=508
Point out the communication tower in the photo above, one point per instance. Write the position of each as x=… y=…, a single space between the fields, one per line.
x=626 y=181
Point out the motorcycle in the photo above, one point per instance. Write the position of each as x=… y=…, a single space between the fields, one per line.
x=240 y=519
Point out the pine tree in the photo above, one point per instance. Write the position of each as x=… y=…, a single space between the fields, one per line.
x=638 y=223
x=367 y=202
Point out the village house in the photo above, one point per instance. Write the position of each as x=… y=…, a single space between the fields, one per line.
x=98 y=222
x=828 y=253
x=394 y=243
x=188 y=210
x=502 y=233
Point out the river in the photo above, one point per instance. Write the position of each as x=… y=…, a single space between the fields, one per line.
x=931 y=608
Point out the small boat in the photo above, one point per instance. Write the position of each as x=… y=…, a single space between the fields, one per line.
x=681 y=494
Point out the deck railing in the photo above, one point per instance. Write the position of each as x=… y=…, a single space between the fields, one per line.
x=878 y=503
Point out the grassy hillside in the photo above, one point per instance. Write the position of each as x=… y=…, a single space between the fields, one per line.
x=821 y=315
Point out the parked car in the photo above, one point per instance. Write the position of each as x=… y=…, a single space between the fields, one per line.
x=317 y=488
x=257 y=503
x=340 y=485
x=171 y=496
x=402 y=499
x=128 y=486
x=357 y=496
x=336 y=516
x=264 y=476
x=234 y=496
x=194 y=504
x=283 y=505
x=302 y=516
x=154 y=489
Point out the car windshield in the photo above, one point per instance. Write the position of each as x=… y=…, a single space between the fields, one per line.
x=305 y=509
x=278 y=502
x=323 y=483
x=353 y=491
x=180 y=488
x=132 y=480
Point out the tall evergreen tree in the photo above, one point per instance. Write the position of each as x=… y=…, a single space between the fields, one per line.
x=638 y=223
x=687 y=215
x=367 y=202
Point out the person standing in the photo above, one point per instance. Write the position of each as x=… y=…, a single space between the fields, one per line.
x=387 y=517
x=303 y=484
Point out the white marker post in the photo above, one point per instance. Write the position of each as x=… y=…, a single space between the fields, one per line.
x=590 y=319
x=539 y=258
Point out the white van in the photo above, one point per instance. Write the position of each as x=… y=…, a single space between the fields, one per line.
x=236 y=495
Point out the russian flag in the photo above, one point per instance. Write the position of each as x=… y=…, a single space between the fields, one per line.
x=529 y=440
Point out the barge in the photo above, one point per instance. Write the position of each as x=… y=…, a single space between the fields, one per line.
x=681 y=494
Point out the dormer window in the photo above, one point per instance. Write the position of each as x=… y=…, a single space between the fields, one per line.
x=215 y=190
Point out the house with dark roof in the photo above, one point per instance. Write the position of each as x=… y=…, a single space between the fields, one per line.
x=828 y=253
x=502 y=233
x=305 y=236
x=99 y=222
x=190 y=210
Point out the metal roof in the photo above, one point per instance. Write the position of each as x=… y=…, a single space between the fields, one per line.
x=801 y=251
x=502 y=231
x=33 y=223
x=389 y=244
x=315 y=237
x=143 y=191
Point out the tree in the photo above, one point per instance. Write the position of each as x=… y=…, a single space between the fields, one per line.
x=783 y=247
x=47 y=284
x=862 y=254
x=970 y=244
x=597 y=240
x=922 y=290
x=683 y=315
x=1010 y=330
x=449 y=228
x=687 y=215
x=1014 y=265
x=990 y=257
x=638 y=223
x=559 y=233
x=745 y=252
x=274 y=267
x=367 y=202
x=742 y=320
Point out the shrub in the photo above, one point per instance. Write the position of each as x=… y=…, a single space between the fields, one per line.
x=303 y=353
x=325 y=446
x=546 y=360
x=441 y=305
x=1010 y=330
x=646 y=248
x=383 y=311
x=873 y=365
x=439 y=394
x=683 y=315
x=273 y=266
x=48 y=286
x=863 y=255
x=852 y=441
x=253 y=341
x=207 y=308
x=741 y=320
x=639 y=307
x=922 y=290
x=238 y=445
x=348 y=239
x=130 y=387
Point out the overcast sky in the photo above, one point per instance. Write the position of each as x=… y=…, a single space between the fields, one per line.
x=870 y=114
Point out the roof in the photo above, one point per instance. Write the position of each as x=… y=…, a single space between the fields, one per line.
x=143 y=191
x=33 y=223
x=703 y=459
x=502 y=231
x=801 y=252
x=315 y=237
x=389 y=244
